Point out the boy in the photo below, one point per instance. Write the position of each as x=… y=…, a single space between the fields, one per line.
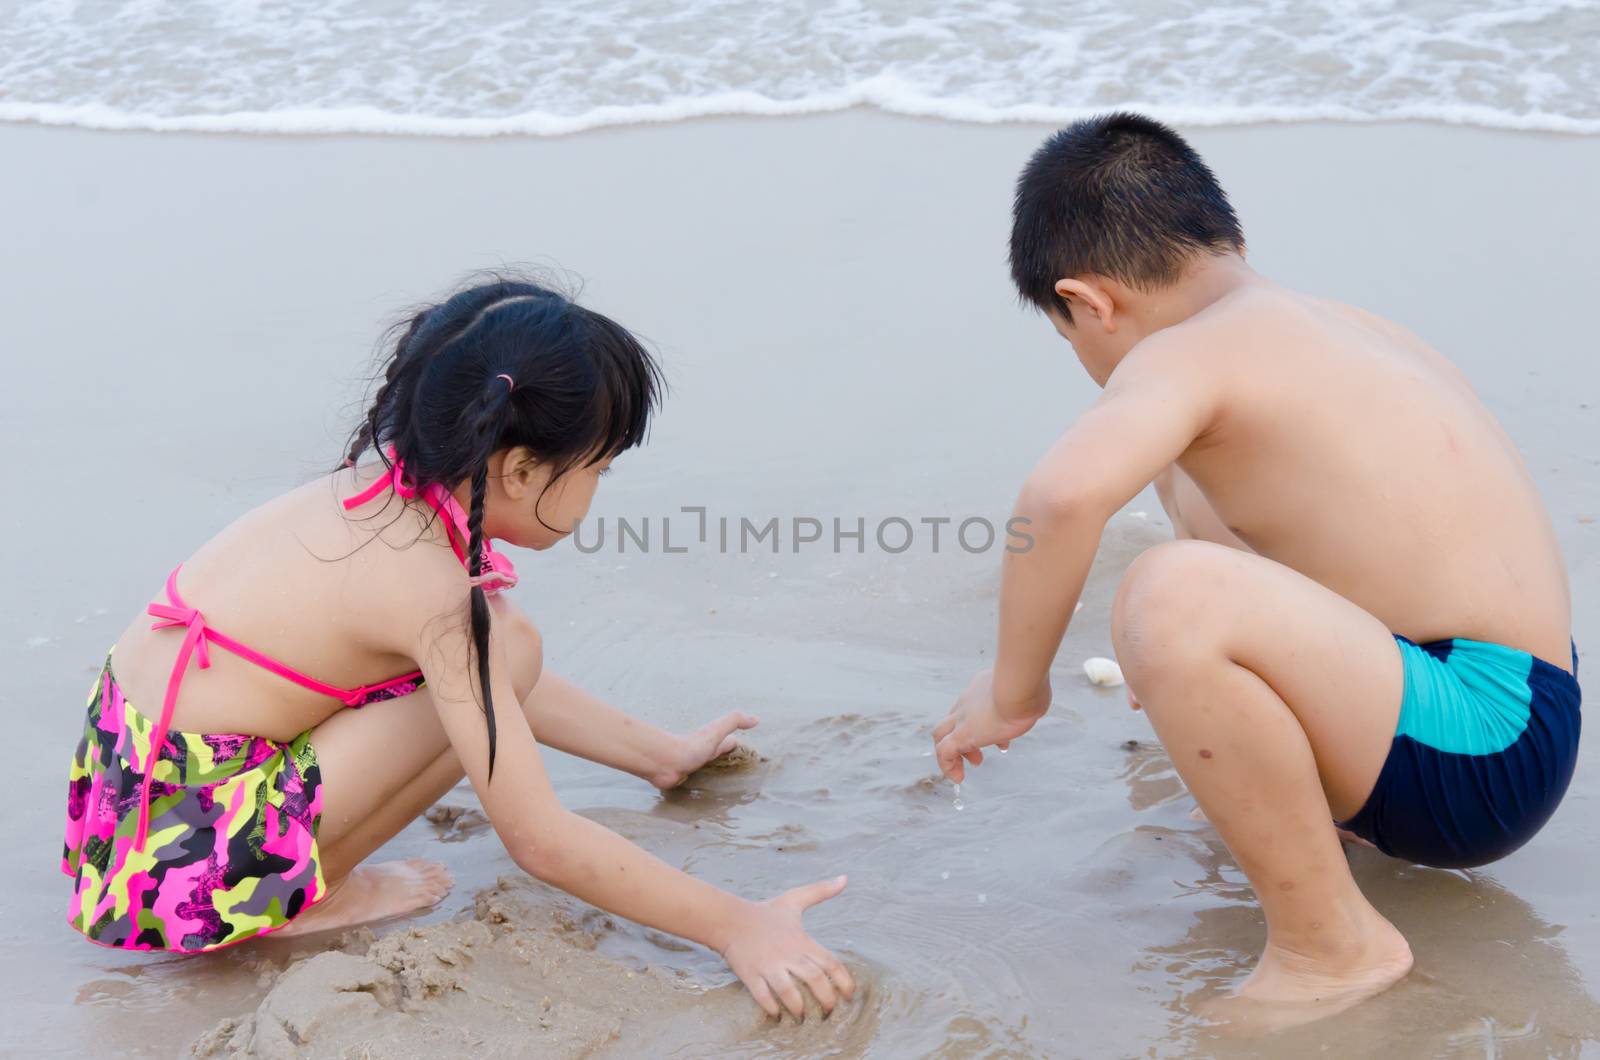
x=1366 y=618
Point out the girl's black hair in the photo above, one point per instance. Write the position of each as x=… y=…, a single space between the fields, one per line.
x=583 y=389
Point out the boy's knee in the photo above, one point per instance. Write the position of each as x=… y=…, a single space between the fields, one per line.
x=1167 y=599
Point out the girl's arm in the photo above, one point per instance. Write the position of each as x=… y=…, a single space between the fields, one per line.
x=763 y=942
x=569 y=719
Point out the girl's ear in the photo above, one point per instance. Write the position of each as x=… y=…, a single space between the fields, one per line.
x=519 y=472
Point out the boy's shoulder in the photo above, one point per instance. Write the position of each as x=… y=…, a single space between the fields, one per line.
x=1266 y=321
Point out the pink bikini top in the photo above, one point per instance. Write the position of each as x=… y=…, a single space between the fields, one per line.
x=498 y=574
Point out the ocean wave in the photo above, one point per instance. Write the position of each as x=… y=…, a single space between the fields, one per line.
x=372 y=121
x=496 y=67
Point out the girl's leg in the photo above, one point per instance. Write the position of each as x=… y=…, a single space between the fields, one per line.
x=382 y=767
x=1277 y=701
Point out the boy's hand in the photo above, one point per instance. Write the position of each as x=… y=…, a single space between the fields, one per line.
x=772 y=954
x=707 y=743
x=976 y=722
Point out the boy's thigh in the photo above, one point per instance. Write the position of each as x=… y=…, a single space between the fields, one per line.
x=367 y=756
x=1192 y=603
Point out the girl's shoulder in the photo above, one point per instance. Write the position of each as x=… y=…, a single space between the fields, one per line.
x=396 y=557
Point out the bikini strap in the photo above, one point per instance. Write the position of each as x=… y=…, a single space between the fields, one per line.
x=498 y=573
x=395 y=480
x=174 y=613
x=196 y=638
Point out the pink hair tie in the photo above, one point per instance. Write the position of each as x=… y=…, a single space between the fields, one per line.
x=510 y=383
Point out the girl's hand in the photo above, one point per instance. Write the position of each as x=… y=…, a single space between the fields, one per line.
x=772 y=955
x=706 y=744
x=975 y=723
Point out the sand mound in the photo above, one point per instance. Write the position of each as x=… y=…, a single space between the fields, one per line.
x=521 y=976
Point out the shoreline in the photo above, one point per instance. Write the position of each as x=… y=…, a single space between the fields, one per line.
x=419 y=127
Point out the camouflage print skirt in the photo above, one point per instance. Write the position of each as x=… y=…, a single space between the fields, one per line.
x=232 y=845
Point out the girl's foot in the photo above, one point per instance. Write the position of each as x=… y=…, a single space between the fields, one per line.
x=374 y=892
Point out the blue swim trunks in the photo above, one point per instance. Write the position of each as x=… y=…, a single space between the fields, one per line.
x=1482 y=755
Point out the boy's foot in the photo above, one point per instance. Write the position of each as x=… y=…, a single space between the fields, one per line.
x=1287 y=989
x=374 y=892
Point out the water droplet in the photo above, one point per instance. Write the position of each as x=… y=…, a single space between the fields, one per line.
x=944 y=875
x=959 y=804
x=1003 y=750
x=983 y=899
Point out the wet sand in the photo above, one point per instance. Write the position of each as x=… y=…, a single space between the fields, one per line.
x=187 y=321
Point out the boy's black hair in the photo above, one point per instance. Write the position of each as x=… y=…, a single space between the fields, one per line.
x=1119 y=195
x=583 y=389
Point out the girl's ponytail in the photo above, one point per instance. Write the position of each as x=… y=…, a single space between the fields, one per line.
x=496 y=395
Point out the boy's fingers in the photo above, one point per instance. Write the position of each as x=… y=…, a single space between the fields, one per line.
x=974 y=756
x=941 y=730
x=950 y=763
x=746 y=721
x=1004 y=745
x=729 y=742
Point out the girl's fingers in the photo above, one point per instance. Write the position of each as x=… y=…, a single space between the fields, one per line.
x=729 y=742
x=793 y=1000
x=733 y=720
x=805 y=897
x=763 y=994
x=836 y=971
x=811 y=973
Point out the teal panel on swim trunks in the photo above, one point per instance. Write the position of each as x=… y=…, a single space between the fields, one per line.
x=1475 y=701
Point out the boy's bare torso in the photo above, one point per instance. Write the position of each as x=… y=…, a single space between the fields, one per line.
x=1345 y=448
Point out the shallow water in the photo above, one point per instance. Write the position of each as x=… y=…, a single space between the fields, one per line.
x=182 y=334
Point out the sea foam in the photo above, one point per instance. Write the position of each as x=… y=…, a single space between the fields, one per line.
x=497 y=67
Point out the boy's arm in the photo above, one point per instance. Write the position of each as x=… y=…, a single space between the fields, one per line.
x=1159 y=400
x=569 y=719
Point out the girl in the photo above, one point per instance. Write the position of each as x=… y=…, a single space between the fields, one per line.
x=250 y=801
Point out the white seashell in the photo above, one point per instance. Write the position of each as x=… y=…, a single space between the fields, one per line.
x=1138 y=515
x=1104 y=672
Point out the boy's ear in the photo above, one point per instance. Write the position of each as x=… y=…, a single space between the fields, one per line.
x=1092 y=297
